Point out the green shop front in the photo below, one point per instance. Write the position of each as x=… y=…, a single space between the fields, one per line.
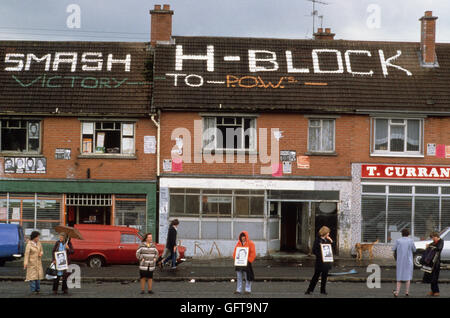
x=43 y=204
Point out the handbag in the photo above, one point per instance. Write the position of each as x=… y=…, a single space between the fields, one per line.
x=51 y=272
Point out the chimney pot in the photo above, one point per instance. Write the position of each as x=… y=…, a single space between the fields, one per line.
x=319 y=30
x=166 y=7
x=157 y=7
x=328 y=30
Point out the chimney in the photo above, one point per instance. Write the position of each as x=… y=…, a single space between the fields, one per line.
x=428 y=39
x=321 y=35
x=161 y=24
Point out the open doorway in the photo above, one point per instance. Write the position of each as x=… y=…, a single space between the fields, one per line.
x=294 y=227
x=325 y=214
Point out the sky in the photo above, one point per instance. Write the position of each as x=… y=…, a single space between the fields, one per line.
x=129 y=20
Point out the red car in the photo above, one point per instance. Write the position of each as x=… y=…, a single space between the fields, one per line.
x=105 y=244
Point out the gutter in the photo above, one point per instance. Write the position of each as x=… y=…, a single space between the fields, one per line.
x=158 y=139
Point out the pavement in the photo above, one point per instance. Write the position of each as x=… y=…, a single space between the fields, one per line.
x=222 y=269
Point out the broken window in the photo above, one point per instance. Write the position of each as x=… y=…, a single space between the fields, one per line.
x=108 y=137
x=19 y=135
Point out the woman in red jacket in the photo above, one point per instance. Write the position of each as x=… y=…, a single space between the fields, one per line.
x=245 y=272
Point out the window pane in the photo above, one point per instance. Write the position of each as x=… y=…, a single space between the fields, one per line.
x=427 y=190
x=14 y=139
x=397 y=138
x=176 y=204
x=373 y=211
x=28 y=209
x=314 y=139
x=48 y=209
x=193 y=204
x=381 y=134
x=257 y=206
x=399 y=216
x=400 y=189
x=445 y=213
x=426 y=217
x=242 y=206
x=128 y=239
x=131 y=213
x=327 y=135
x=374 y=188
x=413 y=142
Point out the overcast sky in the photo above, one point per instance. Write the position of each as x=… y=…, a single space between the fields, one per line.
x=129 y=20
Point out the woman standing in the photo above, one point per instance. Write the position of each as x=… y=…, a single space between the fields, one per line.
x=403 y=251
x=321 y=268
x=61 y=246
x=245 y=272
x=147 y=254
x=433 y=277
x=32 y=262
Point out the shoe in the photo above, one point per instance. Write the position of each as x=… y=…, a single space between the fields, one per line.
x=150 y=292
x=237 y=292
x=247 y=293
x=430 y=294
x=436 y=294
x=406 y=294
x=324 y=293
x=142 y=292
x=55 y=292
x=394 y=292
x=173 y=267
x=307 y=292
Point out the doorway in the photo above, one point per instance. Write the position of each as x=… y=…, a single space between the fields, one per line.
x=294 y=227
x=325 y=214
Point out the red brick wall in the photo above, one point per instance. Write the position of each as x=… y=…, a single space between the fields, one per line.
x=66 y=133
x=352 y=144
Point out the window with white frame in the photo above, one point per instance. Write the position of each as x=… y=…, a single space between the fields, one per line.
x=396 y=136
x=19 y=135
x=108 y=137
x=321 y=135
x=229 y=133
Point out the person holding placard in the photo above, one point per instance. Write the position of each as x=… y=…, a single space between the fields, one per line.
x=61 y=246
x=244 y=254
x=324 y=258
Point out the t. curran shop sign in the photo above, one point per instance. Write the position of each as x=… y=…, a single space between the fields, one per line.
x=405 y=172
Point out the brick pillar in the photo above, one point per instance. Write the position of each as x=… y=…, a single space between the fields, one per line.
x=161 y=24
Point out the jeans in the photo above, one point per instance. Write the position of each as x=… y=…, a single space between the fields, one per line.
x=35 y=285
x=248 y=284
x=172 y=257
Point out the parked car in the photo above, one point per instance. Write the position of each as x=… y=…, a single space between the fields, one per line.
x=422 y=245
x=12 y=242
x=105 y=244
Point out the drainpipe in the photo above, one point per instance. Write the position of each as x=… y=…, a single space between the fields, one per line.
x=158 y=154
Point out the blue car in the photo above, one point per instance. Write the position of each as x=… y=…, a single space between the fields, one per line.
x=12 y=242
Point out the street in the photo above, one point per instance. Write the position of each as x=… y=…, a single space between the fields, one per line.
x=189 y=290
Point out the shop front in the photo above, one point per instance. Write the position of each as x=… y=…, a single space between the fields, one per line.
x=395 y=197
x=42 y=205
x=279 y=215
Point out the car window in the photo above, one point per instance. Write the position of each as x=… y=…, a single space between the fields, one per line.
x=129 y=239
x=447 y=237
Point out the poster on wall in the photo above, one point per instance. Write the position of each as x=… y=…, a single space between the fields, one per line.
x=288 y=155
x=149 y=144
x=241 y=258
x=303 y=162
x=431 y=149
x=30 y=166
x=167 y=165
x=41 y=165
x=62 y=154
x=33 y=130
x=9 y=165
x=287 y=167
x=20 y=165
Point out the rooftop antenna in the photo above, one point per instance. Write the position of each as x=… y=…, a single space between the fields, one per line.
x=321 y=21
x=315 y=13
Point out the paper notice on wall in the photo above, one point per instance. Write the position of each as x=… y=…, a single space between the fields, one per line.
x=177 y=165
x=287 y=167
x=15 y=214
x=100 y=139
x=167 y=165
x=163 y=200
x=303 y=162
x=447 y=152
x=440 y=151
x=277 y=170
x=149 y=144
x=431 y=149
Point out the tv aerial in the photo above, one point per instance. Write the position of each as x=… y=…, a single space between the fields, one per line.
x=315 y=13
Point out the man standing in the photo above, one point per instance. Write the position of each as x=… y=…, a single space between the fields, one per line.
x=171 y=244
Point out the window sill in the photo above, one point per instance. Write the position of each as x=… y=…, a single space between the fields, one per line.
x=402 y=155
x=21 y=154
x=229 y=151
x=331 y=154
x=107 y=156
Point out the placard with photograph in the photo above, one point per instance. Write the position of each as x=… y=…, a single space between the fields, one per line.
x=30 y=166
x=61 y=261
x=241 y=258
x=20 y=165
x=327 y=253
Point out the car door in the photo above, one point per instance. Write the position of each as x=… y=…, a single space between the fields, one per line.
x=129 y=243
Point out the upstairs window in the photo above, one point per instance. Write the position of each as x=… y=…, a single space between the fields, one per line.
x=395 y=136
x=321 y=136
x=108 y=137
x=21 y=136
x=229 y=133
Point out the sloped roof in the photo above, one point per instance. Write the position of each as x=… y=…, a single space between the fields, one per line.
x=76 y=78
x=257 y=74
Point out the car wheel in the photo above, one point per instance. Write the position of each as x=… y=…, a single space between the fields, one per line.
x=96 y=261
x=417 y=258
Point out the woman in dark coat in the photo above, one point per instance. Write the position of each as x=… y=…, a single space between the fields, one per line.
x=62 y=245
x=433 y=277
x=321 y=268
